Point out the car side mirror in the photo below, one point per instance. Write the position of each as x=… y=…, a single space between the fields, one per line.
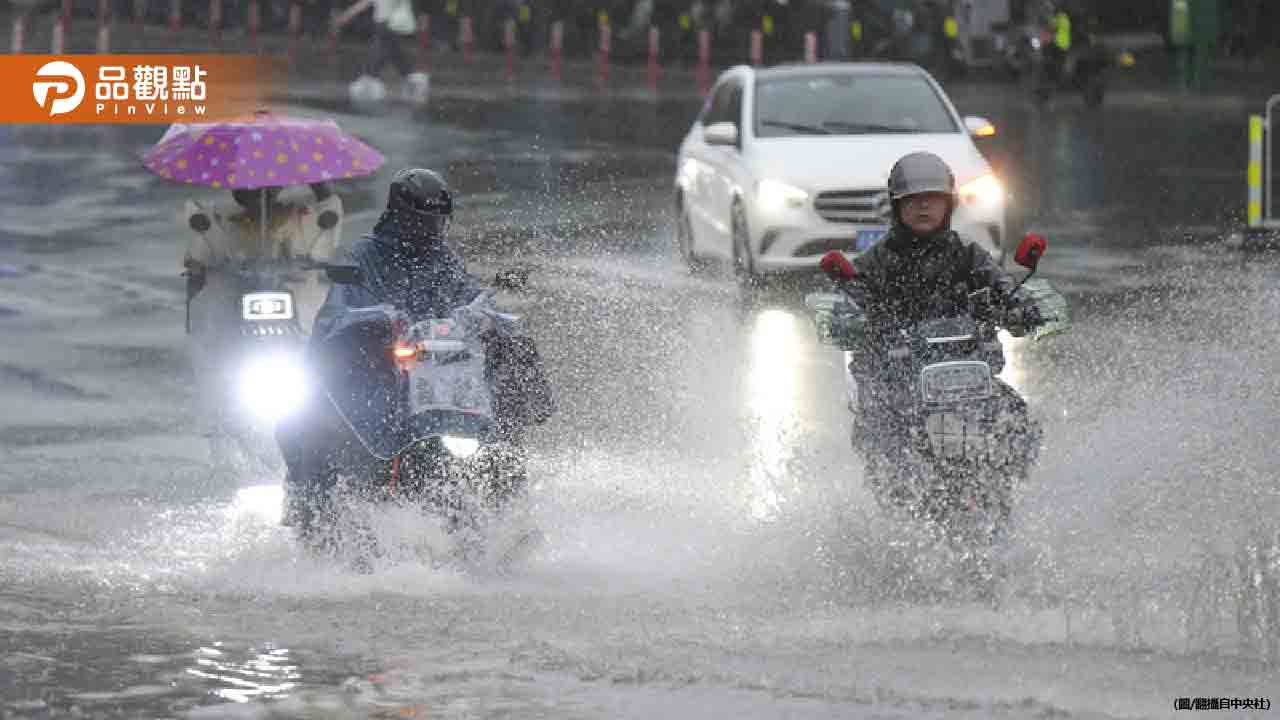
x=513 y=279
x=721 y=133
x=327 y=220
x=1030 y=250
x=344 y=274
x=979 y=127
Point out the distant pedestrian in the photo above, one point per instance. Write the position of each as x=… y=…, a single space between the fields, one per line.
x=394 y=24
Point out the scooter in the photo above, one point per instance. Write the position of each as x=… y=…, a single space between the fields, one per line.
x=406 y=413
x=957 y=439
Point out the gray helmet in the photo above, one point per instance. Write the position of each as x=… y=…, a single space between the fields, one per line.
x=921 y=172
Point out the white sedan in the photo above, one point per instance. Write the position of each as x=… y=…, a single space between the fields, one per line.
x=787 y=163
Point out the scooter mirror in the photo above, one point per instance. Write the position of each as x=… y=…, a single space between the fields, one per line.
x=344 y=274
x=837 y=266
x=1030 y=250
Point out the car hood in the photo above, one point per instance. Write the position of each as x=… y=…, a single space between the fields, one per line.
x=822 y=163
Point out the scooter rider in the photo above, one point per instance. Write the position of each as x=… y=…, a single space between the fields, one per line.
x=406 y=262
x=922 y=269
x=921 y=257
x=225 y=236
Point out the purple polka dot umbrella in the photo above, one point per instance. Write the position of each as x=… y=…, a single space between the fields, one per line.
x=260 y=150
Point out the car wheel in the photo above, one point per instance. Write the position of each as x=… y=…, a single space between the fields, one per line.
x=744 y=267
x=684 y=240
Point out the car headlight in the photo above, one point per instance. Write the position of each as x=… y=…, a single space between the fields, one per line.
x=985 y=190
x=772 y=196
x=460 y=446
x=273 y=387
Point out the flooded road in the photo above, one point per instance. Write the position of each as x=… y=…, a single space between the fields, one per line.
x=710 y=548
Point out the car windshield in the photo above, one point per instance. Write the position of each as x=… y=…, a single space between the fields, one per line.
x=848 y=104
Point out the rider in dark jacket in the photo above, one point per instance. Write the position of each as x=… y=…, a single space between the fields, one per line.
x=407 y=263
x=920 y=270
x=922 y=266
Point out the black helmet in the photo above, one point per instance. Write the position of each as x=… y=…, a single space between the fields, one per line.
x=424 y=195
x=918 y=173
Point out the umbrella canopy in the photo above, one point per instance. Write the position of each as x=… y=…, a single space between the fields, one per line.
x=260 y=150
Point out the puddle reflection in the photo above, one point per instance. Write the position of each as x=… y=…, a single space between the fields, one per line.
x=266 y=673
x=773 y=405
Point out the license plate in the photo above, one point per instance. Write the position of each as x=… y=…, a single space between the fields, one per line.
x=455 y=385
x=866 y=238
x=958 y=381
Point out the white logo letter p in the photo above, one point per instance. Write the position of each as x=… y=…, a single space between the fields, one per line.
x=64 y=87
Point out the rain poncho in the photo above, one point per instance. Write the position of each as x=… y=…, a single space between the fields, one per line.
x=908 y=279
x=233 y=235
x=293 y=230
x=424 y=278
x=404 y=266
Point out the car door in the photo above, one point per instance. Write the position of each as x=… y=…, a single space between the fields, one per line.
x=724 y=165
x=697 y=175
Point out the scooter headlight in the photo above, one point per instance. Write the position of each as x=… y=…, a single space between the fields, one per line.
x=460 y=446
x=273 y=387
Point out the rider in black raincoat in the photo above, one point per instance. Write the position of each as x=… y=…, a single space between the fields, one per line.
x=912 y=274
x=407 y=263
x=922 y=269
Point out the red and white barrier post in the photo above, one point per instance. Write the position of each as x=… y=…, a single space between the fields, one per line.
x=606 y=45
x=175 y=16
x=557 y=44
x=252 y=25
x=424 y=41
x=104 y=27
x=757 y=47
x=703 y=74
x=655 y=39
x=19 y=32
x=509 y=49
x=467 y=39
x=811 y=47
x=60 y=26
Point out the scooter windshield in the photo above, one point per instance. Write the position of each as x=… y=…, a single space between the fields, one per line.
x=950 y=329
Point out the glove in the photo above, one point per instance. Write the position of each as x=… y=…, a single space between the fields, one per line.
x=1024 y=316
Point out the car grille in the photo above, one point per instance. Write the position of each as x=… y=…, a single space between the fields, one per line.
x=869 y=206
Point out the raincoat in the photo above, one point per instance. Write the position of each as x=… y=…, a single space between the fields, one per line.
x=294 y=230
x=426 y=279
x=426 y=282
x=909 y=279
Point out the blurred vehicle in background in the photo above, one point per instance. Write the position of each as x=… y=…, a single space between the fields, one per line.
x=785 y=164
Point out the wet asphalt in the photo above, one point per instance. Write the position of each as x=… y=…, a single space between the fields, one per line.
x=710 y=544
